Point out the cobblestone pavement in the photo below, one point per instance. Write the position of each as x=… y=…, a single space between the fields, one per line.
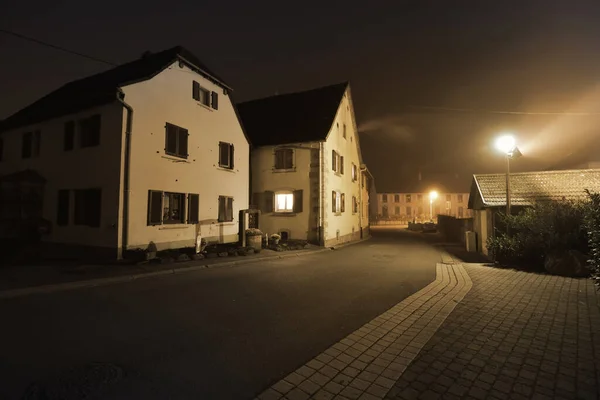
x=516 y=335
x=366 y=364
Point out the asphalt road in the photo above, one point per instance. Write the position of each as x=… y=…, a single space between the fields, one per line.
x=223 y=333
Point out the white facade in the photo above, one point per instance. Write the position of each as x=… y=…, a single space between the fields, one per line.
x=409 y=206
x=163 y=99
x=327 y=194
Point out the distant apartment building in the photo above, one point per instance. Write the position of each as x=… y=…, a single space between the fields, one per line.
x=417 y=207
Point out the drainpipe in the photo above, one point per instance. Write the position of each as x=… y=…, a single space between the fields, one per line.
x=360 y=197
x=126 y=171
x=322 y=197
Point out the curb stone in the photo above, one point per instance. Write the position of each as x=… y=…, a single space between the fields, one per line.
x=12 y=293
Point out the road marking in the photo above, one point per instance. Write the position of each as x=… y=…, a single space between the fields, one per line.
x=367 y=363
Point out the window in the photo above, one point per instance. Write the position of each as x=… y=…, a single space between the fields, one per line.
x=205 y=96
x=448 y=206
x=385 y=211
x=408 y=198
x=397 y=210
x=88 y=205
x=354 y=172
x=344 y=131
x=354 y=205
x=284 y=159
x=69 y=140
x=336 y=202
x=448 y=197
x=173 y=208
x=342 y=165
x=460 y=212
x=384 y=198
x=225 y=155
x=409 y=211
x=419 y=197
x=89 y=129
x=397 y=198
x=176 y=141
x=334 y=161
x=459 y=198
x=420 y=212
x=284 y=202
x=225 y=209
x=62 y=208
x=193 y=208
x=169 y=208
x=30 y=146
x=343 y=202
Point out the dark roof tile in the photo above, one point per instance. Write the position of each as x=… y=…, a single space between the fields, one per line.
x=292 y=118
x=102 y=88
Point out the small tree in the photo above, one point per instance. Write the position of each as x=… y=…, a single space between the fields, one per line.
x=592 y=224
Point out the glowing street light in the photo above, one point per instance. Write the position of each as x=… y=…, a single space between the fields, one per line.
x=432 y=196
x=507 y=145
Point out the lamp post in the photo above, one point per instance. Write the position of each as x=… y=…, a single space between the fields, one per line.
x=432 y=196
x=507 y=145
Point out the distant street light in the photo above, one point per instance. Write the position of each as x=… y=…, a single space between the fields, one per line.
x=432 y=196
x=507 y=145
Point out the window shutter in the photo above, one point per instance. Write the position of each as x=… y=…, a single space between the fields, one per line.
x=155 y=207
x=221 y=208
x=62 y=212
x=343 y=203
x=69 y=135
x=229 y=209
x=297 y=201
x=195 y=90
x=214 y=100
x=193 y=208
x=342 y=165
x=279 y=157
x=269 y=204
x=289 y=158
x=333 y=160
x=183 y=142
x=231 y=155
x=333 y=201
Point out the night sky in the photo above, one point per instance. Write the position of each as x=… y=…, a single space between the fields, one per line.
x=400 y=56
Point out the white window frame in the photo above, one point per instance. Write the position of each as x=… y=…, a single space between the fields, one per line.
x=288 y=201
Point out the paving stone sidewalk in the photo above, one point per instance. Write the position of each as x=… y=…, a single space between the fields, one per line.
x=516 y=335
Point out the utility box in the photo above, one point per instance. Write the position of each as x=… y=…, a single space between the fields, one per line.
x=471 y=241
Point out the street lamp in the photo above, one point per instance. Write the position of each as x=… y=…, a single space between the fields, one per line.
x=507 y=145
x=432 y=196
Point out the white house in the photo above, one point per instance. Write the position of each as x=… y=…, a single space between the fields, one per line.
x=151 y=151
x=306 y=165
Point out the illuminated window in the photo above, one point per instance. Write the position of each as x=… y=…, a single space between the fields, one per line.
x=284 y=202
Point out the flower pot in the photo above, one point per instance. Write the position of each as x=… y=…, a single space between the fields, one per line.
x=254 y=241
x=275 y=242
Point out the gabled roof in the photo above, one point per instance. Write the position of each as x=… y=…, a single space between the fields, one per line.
x=292 y=118
x=102 y=88
x=526 y=188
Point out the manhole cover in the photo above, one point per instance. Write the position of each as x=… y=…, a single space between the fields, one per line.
x=75 y=384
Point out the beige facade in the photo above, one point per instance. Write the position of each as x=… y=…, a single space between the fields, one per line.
x=312 y=190
x=188 y=167
x=416 y=206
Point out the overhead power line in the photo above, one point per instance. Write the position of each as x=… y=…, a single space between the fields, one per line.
x=30 y=39
x=475 y=111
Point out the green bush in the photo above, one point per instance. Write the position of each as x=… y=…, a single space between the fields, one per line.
x=546 y=228
x=592 y=225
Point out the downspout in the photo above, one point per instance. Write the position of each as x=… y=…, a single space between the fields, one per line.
x=126 y=172
x=322 y=190
x=360 y=195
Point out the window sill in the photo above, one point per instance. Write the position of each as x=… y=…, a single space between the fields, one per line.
x=284 y=170
x=209 y=108
x=337 y=214
x=284 y=214
x=169 y=226
x=175 y=158
x=225 y=223
x=221 y=168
